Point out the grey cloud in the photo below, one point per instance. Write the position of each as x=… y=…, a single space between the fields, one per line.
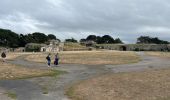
x=126 y=19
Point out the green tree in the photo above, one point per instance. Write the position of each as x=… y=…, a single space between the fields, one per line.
x=150 y=40
x=51 y=37
x=22 y=40
x=118 y=41
x=83 y=40
x=99 y=40
x=92 y=38
x=39 y=37
x=8 y=38
x=107 y=39
x=71 y=40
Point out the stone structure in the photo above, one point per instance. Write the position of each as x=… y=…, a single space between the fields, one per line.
x=3 y=49
x=20 y=49
x=135 y=47
x=54 y=46
x=88 y=43
x=33 y=47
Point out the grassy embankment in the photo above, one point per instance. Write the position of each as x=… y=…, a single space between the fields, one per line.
x=90 y=57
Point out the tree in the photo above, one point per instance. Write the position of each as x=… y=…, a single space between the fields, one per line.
x=107 y=39
x=71 y=40
x=92 y=38
x=144 y=40
x=39 y=37
x=22 y=40
x=51 y=37
x=83 y=40
x=8 y=38
x=150 y=40
x=13 y=40
x=99 y=40
x=118 y=41
x=29 y=38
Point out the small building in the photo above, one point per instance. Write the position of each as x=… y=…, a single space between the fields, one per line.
x=54 y=46
x=3 y=49
x=34 y=47
x=20 y=49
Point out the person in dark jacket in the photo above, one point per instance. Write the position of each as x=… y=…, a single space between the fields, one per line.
x=56 y=59
x=49 y=60
x=3 y=55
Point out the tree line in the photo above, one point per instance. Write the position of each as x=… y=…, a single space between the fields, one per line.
x=150 y=40
x=106 y=39
x=13 y=40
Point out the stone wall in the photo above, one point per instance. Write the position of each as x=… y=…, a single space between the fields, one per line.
x=135 y=47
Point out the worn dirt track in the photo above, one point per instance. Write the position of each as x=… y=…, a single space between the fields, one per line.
x=32 y=89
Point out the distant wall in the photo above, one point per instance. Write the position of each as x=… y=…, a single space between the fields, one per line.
x=135 y=47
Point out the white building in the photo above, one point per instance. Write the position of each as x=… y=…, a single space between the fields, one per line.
x=54 y=46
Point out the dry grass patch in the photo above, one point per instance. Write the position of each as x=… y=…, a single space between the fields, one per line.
x=74 y=47
x=8 y=71
x=11 y=95
x=149 y=85
x=159 y=54
x=13 y=55
x=90 y=57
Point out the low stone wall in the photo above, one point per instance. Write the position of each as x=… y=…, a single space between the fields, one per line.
x=135 y=47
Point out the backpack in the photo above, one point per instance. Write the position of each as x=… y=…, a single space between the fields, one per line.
x=47 y=57
x=3 y=55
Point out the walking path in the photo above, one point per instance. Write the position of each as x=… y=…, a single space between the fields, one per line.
x=32 y=89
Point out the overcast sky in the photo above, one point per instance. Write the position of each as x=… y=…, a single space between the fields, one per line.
x=125 y=19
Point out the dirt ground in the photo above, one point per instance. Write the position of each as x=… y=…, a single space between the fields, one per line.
x=159 y=54
x=148 y=85
x=145 y=80
x=90 y=57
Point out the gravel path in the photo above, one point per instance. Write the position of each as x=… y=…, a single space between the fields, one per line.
x=32 y=89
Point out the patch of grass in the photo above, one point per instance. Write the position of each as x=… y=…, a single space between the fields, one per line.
x=159 y=54
x=71 y=94
x=11 y=55
x=11 y=95
x=147 y=85
x=12 y=72
x=91 y=57
x=45 y=90
x=74 y=47
x=51 y=73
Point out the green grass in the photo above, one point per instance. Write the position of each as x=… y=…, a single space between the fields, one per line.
x=11 y=95
x=44 y=90
x=70 y=94
x=53 y=73
x=74 y=46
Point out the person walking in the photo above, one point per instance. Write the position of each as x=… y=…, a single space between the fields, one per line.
x=49 y=60
x=3 y=55
x=56 y=59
